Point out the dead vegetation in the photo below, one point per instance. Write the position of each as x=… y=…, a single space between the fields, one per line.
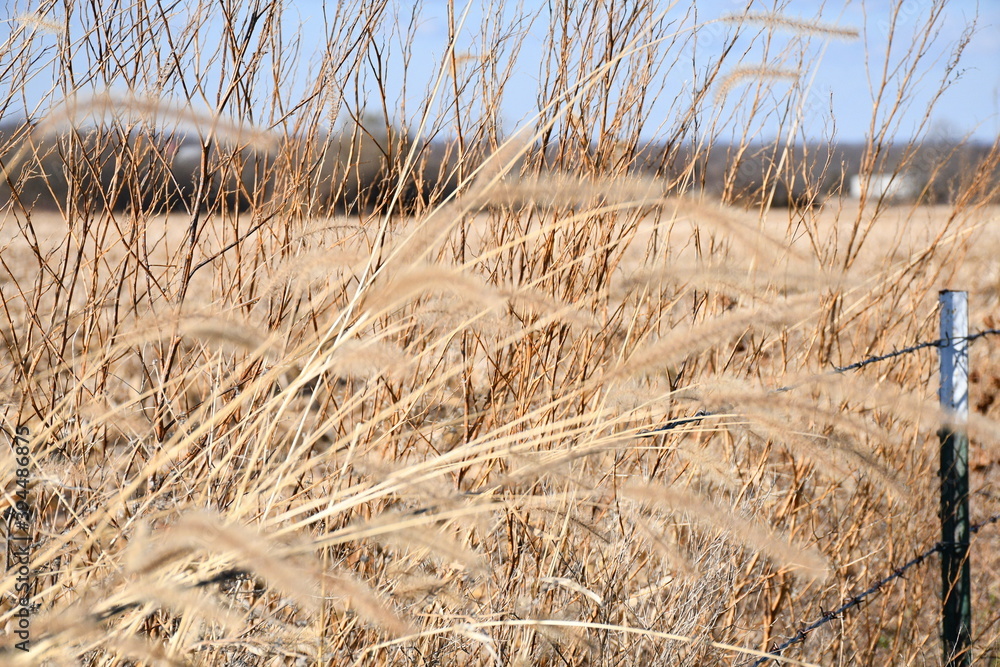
x=266 y=436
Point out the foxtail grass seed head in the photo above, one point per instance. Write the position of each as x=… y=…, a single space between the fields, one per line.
x=302 y=363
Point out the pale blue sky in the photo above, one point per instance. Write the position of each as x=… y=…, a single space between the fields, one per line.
x=839 y=68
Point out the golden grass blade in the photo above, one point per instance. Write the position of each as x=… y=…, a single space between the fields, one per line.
x=806 y=562
x=586 y=625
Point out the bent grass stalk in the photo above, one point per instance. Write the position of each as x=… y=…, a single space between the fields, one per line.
x=392 y=423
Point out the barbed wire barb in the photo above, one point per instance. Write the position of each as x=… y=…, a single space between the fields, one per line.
x=897 y=573
x=858 y=598
x=837 y=370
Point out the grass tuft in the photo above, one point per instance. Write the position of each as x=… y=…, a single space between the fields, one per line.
x=299 y=381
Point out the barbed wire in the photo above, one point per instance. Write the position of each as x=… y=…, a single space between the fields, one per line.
x=837 y=370
x=225 y=576
x=940 y=342
x=982 y=524
x=852 y=601
x=675 y=423
x=889 y=355
x=222 y=577
x=981 y=334
x=858 y=598
x=235 y=574
x=238 y=574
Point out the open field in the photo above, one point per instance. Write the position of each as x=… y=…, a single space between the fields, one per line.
x=283 y=395
x=463 y=457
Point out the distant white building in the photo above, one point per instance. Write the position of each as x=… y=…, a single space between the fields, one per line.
x=894 y=187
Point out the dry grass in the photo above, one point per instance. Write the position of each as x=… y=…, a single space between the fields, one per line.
x=274 y=437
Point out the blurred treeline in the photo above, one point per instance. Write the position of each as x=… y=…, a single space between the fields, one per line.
x=361 y=169
x=931 y=172
x=115 y=168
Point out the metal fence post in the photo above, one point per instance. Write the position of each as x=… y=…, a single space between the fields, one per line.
x=956 y=623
